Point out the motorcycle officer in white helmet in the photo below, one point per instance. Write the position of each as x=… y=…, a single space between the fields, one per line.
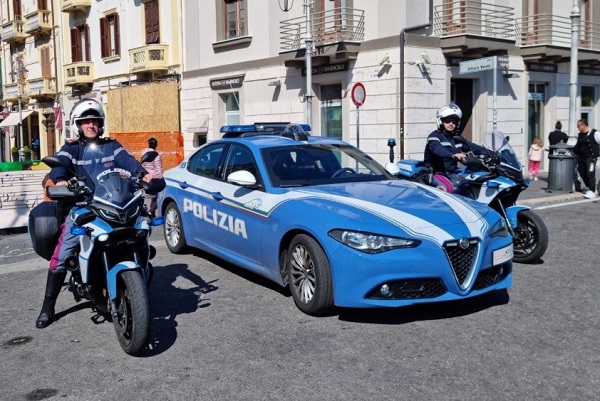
x=445 y=146
x=87 y=125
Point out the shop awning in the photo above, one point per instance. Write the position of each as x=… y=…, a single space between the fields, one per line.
x=199 y=124
x=14 y=118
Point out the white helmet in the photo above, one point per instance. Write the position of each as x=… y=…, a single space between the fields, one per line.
x=86 y=109
x=450 y=110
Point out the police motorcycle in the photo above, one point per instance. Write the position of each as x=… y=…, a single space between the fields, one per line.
x=494 y=178
x=112 y=268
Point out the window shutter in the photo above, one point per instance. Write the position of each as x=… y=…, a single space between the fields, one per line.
x=45 y=62
x=88 y=55
x=75 y=45
x=103 y=34
x=117 y=38
x=152 y=22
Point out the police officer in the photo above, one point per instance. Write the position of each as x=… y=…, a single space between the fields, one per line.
x=587 y=150
x=87 y=124
x=443 y=149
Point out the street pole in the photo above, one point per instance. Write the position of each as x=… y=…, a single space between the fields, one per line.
x=21 y=150
x=575 y=21
x=309 y=44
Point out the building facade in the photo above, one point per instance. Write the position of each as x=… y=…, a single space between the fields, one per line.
x=69 y=49
x=247 y=62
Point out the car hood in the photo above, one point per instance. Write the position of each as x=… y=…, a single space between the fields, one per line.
x=404 y=203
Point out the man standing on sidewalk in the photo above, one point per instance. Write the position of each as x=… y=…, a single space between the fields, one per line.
x=587 y=150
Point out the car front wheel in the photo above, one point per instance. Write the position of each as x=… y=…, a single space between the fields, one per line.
x=309 y=276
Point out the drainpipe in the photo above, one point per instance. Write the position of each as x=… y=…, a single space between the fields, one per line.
x=401 y=94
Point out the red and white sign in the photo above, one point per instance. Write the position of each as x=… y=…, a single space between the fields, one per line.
x=358 y=94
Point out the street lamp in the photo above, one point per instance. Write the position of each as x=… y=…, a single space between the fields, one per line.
x=19 y=73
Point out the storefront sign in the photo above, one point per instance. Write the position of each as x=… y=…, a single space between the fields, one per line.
x=227 y=83
x=327 y=68
x=538 y=67
x=477 y=65
x=589 y=71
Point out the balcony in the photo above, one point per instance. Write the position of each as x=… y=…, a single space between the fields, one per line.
x=12 y=32
x=547 y=38
x=11 y=92
x=337 y=35
x=41 y=88
x=39 y=22
x=73 y=6
x=149 y=58
x=472 y=28
x=80 y=73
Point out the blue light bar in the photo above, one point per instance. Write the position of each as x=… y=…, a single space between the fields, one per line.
x=237 y=128
x=305 y=127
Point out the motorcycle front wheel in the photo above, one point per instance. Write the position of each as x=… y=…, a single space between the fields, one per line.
x=132 y=323
x=530 y=239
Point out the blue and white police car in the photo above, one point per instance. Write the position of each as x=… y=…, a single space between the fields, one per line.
x=323 y=217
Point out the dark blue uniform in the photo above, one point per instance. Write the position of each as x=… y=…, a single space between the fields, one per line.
x=440 y=149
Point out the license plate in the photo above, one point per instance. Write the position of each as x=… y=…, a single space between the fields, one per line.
x=502 y=255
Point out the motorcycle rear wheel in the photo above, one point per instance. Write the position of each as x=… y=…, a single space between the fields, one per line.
x=530 y=239
x=132 y=323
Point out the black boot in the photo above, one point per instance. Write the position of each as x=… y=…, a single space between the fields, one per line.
x=53 y=285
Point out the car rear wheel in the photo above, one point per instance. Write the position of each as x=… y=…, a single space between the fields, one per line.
x=174 y=236
x=309 y=276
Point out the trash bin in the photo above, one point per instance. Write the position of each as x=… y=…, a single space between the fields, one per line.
x=562 y=166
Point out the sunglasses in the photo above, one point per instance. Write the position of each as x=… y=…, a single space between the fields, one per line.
x=452 y=120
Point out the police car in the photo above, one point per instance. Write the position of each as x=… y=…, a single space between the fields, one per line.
x=322 y=217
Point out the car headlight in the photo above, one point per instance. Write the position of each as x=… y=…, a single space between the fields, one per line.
x=499 y=229
x=371 y=243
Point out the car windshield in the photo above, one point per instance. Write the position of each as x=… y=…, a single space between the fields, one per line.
x=112 y=185
x=311 y=164
x=499 y=142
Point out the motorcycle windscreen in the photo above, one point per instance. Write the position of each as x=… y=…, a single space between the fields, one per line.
x=499 y=142
x=112 y=185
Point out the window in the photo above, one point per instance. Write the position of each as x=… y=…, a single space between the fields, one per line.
x=331 y=110
x=45 y=62
x=235 y=18
x=109 y=36
x=152 y=22
x=17 y=9
x=232 y=108
x=80 y=43
x=43 y=5
x=238 y=159
x=206 y=162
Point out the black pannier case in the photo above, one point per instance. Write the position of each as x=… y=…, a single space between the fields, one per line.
x=45 y=222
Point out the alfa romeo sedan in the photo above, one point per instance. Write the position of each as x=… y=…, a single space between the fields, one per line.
x=324 y=218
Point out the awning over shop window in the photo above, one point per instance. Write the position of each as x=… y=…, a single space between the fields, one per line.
x=14 y=118
x=199 y=124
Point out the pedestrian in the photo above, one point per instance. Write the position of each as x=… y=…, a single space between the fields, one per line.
x=536 y=153
x=587 y=149
x=155 y=168
x=557 y=135
x=445 y=146
x=87 y=124
x=36 y=147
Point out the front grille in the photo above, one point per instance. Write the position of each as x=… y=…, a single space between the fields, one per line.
x=491 y=276
x=410 y=289
x=461 y=254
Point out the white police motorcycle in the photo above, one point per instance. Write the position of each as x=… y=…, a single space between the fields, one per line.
x=112 y=268
x=496 y=179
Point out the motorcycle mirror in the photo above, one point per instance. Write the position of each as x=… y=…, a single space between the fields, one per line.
x=54 y=161
x=149 y=156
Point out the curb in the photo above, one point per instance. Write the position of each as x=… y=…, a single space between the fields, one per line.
x=564 y=197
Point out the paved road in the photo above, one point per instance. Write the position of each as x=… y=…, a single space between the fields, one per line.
x=221 y=334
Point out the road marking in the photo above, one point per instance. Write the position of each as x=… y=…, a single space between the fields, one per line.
x=565 y=204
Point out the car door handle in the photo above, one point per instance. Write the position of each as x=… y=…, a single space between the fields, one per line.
x=184 y=185
x=217 y=196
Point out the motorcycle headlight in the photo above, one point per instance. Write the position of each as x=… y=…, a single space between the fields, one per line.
x=499 y=229
x=370 y=242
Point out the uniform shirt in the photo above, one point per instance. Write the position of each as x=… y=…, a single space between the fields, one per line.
x=441 y=147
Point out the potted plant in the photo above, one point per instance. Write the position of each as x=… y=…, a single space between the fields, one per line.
x=15 y=153
x=27 y=151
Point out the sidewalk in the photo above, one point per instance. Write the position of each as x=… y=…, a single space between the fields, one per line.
x=538 y=193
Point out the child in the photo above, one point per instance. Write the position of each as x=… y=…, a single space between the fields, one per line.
x=536 y=152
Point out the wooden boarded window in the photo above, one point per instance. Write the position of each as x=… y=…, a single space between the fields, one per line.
x=152 y=22
x=109 y=36
x=17 y=9
x=43 y=5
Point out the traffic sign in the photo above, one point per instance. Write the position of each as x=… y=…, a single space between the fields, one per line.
x=358 y=94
